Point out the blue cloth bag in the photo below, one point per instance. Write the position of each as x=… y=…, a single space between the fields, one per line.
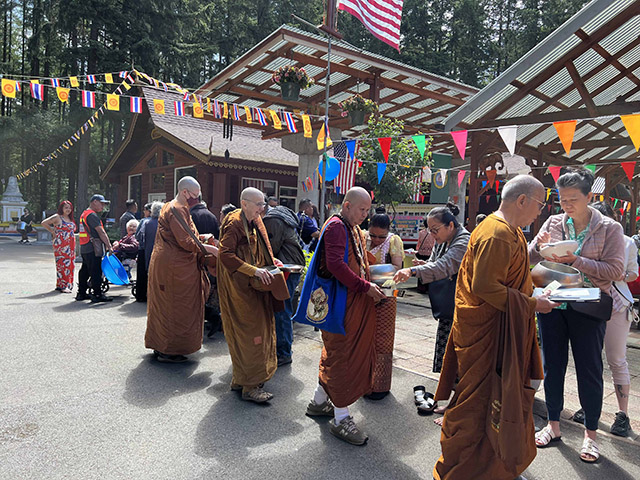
x=323 y=301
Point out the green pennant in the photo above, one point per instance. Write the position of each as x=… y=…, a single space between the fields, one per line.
x=592 y=168
x=420 y=141
x=615 y=203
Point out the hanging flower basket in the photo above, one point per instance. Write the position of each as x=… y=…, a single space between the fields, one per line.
x=358 y=109
x=357 y=117
x=291 y=80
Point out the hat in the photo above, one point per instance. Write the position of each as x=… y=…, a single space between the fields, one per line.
x=100 y=198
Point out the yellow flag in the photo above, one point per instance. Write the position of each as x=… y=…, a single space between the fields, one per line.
x=126 y=85
x=632 y=124
x=9 y=88
x=76 y=136
x=108 y=78
x=306 y=123
x=247 y=115
x=197 y=110
x=225 y=113
x=63 y=94
x=320 y=139
x=158 y=106
x=113 y=102
x=275 y=119
x=74 y=82
x=209 y=105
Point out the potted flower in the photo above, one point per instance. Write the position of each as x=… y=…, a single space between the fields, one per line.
x=357 y=107
x=291 y=80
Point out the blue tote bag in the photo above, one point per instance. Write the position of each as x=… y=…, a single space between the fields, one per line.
x=323 y=301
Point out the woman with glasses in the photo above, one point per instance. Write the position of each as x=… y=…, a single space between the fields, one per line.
x=600 y=258
x=386 y=247
x=441 y=272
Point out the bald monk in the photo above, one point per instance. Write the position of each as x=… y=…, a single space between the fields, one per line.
x=247 y=314
x=494 y=286
x=177 y=282
x=347 y=361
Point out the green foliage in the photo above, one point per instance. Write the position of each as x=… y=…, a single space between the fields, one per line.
x=358 y=103
x=397 y=184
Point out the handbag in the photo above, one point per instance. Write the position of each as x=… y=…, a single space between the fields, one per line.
x=442 y=297
x=98 y=247
x=323 y=301
x=599 y=311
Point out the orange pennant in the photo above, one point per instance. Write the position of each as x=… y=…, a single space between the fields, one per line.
x=566 y=130
x=632 y=124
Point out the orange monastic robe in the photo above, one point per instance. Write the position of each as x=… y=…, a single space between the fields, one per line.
x=496 y=265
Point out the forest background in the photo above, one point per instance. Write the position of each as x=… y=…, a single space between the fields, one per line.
x=189 y=41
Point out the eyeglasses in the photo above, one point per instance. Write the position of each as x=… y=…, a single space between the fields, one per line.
x=435 y=230
x=542 y=204
x=259 y=204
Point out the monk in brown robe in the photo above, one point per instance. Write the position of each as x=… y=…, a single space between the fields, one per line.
x=177 y=281
x=494 y=286
x=347 y=361
x=247 y=314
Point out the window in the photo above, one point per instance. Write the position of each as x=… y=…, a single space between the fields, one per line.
x=135 y=188
x=157 y=182
x=167 y=158
x=153 y=161
x=288 y=197
x=268 y=187
x=183 y=172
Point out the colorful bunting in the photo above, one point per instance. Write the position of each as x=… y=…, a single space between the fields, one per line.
x=509 y=135
x=197 y=110
x=306 y=125
x=351 y=148
x=236 y=113
x=247 y=114
x=108 y=78
x=261 y=118
x=74 y=82
x=461 y=175
x=178 y=108
x=632 y=124
x=88 y=99
x=158 y=106
x=55 y=82
x=291 y=125
x=320 y=141
x=566 y=130
x=37 y=90
x=9 y=88
x=385 y=146
x=421 y=143
x=63 y=94
x=277 y=124
x=135 y=104
x=460 y=140
x=382 y=167
x=113 y=102
x=91 y=79
x=591 y=167
x=225 y=110
x=555 y=173
x=628 y=168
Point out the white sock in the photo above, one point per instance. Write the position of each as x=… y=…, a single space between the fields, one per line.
x=340 y=414
x=320 y=396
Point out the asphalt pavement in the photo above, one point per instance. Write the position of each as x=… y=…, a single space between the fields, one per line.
x=81 y=398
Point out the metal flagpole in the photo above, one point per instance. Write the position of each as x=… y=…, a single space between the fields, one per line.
x=326 y=135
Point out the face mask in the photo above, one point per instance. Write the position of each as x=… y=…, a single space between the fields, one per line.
x=192 y=201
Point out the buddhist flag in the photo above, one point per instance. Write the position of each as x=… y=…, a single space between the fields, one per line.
x=247 y=115
x=178 y=108
x=197 y=110
x=9 y=88
x=158 y=106
x=113 y=102
x=108 y=78
x=275 y=119
x=126 y=86
x=566 y=130
x=63 y=94
x=74 y=82
x=321 y=138
x=632 y=124
x=209 y=105
x=306 y=123
x=225 y=110
x=135 y=104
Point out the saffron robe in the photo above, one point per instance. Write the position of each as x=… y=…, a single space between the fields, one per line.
x=495 y=265
x=247 y=314
x=177 y=287
x=347 y=361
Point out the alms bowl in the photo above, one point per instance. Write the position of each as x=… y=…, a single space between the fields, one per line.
x=546 y=272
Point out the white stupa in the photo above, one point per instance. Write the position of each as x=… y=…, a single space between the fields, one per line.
x=12 y=203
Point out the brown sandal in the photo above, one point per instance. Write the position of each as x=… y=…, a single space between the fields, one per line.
x=257 y=395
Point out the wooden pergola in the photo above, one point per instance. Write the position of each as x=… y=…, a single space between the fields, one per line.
x=587 y=70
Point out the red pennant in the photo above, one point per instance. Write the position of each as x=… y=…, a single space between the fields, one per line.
x=491 y=177
x=628 y=168
x=385 y=146
x=497 y=186
x=555 y=173
x=487 y=197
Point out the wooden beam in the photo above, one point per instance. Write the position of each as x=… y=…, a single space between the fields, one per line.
x=582 y=89
x=607 y=142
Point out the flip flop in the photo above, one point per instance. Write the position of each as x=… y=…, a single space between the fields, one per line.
x=418 y=394
x=428 y=405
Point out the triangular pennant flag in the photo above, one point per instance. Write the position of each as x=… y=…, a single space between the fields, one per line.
x=460 y=139
x=491 y=177
x=615 y=203
x=628 y=168
x=487 y=198
x=351 y=148
x=421 y=143
x=591 y=167
x=632 y=124
x=565 y=133
x=385 y=146
x=509 y=135
x=555 y=172
x=548 y=193
x=461 y=175
x=382 y=167
x=484 y=183
x=497 y=186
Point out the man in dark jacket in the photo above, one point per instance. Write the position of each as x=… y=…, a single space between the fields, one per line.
x=282 y=224
x=206 y=222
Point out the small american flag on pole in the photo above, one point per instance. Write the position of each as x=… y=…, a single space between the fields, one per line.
x=348 y=168
x=381 y=17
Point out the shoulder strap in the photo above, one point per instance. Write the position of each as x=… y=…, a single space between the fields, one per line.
x=186 y=228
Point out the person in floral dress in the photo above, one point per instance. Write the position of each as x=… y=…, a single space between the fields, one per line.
x=62 y=227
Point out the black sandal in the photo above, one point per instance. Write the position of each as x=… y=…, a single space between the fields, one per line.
x=428 y=405
x=418 y=394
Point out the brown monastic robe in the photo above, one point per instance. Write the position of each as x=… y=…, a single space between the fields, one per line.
x=247 y=314
x=177 y=287
x=495 y=266
x=347 y=361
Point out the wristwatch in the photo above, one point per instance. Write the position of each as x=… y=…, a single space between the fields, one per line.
x=413 y=271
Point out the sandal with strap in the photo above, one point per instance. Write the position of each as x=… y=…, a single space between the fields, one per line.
x=257 y=395
x=545 y=436
x=590 y=453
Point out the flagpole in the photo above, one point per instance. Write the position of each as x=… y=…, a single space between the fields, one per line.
x=326 y=135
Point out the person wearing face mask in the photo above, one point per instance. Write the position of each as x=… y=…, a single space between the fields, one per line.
x=177 y=282
x=248 y=313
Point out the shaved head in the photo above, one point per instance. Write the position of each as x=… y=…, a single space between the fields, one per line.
x=189 y=183
x=356 y=205
x=356 y=195
x=521 y=185
x=251 y=193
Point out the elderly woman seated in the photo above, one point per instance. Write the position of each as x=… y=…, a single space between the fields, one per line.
x=126 y=249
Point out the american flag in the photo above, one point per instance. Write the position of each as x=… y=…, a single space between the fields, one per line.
x=422 y=176
x=381 y=17
x=348 y=168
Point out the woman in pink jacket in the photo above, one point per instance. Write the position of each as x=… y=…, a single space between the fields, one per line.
x=600 y=258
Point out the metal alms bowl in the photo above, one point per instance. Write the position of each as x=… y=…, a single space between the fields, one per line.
x=546 y=272
x=381 y=273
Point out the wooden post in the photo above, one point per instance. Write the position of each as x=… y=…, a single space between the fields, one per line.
x=538 y=173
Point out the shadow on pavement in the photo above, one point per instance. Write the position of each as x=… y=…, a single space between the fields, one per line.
x=52 y=293
x=152 y=384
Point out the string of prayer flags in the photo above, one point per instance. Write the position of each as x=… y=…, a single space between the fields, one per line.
x=509 y=135
x=262 y=120
x=158 y=106
x=91 y=79
x=9 y=88
x=37 y=90
x=178 y=108
x=382 y=167
x=135 y=104
x=55 y=82
x=460 y=140
x=291 y=125
x=113 y=102
x=277 y=124
x=306 y=125
x=247 y=113
x=555 y=172
x=88 y=99
x=632 y=124
x=566 y=130
x=74 y=82
x=197 y=110
x=628 y=168
x=385 y=146
x=63 y=94
x=421 y=143
x=461 y=174
x=225 y=110
x=236 y=113
x=108 y=78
